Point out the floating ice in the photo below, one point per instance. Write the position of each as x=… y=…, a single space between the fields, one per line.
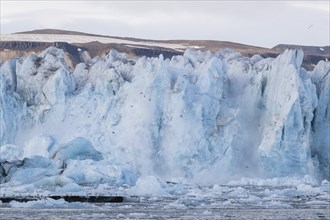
x=50 y=203
x=148 y=185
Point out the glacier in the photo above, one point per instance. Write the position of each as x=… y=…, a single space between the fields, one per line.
x=200 y=118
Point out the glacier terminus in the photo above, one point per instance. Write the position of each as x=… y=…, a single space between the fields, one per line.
x=202 y=118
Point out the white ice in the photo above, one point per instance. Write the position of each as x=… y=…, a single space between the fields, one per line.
x=201 y=118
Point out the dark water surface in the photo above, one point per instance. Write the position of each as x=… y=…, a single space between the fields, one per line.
x=222 y=202
x=113 y=212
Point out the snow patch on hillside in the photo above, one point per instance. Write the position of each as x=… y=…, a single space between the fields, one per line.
x=84 y=39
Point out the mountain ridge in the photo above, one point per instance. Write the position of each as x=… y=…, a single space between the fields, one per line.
x=21 y=44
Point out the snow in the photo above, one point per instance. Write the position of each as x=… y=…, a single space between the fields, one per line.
x=199 y=119
x=84 y=39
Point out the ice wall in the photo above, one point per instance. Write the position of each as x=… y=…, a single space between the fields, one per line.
x=321 y=123
x=200 y=117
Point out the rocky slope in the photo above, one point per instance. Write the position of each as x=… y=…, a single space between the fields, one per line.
x=20 y=45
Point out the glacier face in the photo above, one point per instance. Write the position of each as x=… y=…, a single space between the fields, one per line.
x=197 y=118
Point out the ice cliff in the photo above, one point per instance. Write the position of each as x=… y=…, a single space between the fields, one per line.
x=201 y=118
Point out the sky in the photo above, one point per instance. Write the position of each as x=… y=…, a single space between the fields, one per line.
x=259 y=23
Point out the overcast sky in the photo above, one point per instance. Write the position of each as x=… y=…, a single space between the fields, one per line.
x=261 y=23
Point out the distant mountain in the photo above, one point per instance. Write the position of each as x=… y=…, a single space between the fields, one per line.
x=55 y=31
x=78 y=45
x=309 y=50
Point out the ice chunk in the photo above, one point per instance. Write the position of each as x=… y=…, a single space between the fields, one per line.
x=80 y=74
x=50 y=203
x=78 y=149
x=8 y=70
x=148 y=185
x=10 y=160
x=113 y=56
x=321 y=125
x=255 y=58
x=127 y=177
x=58 y=86
x=35 y=71
x=10 y=153
x=41 y=145
x=11 y=112
x=287 y=123
x=36 y=169
x=91 y=172
x=52 y=59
